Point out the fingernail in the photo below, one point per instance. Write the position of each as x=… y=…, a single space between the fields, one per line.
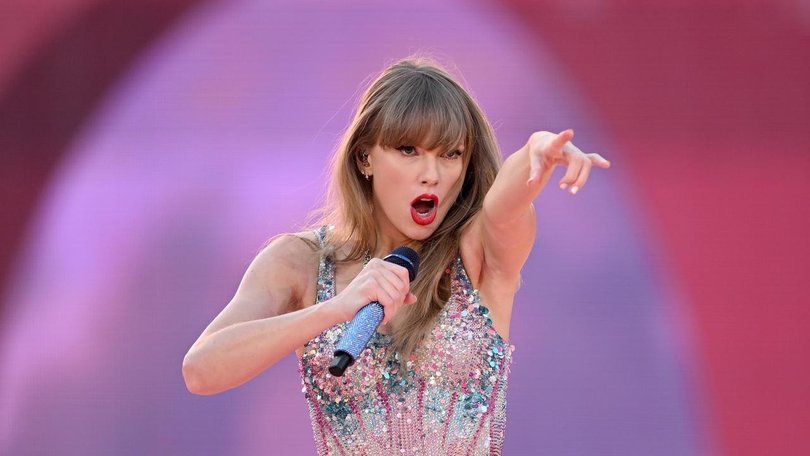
x=563 y=186
x=574 y=190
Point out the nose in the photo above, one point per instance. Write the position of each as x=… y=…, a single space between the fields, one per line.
x=429 y=171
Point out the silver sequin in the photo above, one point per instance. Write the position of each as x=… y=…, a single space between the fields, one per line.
x=452 y=402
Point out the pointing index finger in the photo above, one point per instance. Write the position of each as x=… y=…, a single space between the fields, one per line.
x=602 y=163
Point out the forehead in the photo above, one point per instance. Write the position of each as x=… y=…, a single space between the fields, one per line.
x=432 y=131
x=426 y=112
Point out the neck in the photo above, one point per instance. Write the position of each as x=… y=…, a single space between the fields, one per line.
x=388 y=237
x=385 y=245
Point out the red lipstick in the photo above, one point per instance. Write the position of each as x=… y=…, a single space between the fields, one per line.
x=424 y=208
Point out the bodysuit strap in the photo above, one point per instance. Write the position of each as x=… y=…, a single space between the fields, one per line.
x=326 y=269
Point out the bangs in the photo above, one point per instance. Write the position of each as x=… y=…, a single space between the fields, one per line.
x=424 y=111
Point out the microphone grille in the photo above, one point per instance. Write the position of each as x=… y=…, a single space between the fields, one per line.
x=405 y=257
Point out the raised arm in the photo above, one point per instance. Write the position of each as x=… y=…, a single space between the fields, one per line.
x=507 y=221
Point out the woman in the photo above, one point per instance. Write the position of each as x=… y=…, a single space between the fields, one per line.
x=418 y=166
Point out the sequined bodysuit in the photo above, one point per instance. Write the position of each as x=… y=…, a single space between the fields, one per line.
x=453 y=402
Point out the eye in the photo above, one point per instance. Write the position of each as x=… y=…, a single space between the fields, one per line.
x=453 y=154
x=407 y=150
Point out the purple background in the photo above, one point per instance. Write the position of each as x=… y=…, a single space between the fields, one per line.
x=217 y=137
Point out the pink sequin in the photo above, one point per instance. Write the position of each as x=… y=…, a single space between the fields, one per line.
x=452 y=402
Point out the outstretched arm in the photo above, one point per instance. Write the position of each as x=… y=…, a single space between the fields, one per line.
x=507 y=219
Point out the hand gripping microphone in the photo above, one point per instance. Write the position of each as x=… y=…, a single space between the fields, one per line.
x=369 y=317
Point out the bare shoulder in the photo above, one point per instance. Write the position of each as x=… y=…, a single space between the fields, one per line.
x=291 y=249
x=280 y=279
x=289 y=261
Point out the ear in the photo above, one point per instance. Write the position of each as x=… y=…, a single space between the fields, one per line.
x=364 y=163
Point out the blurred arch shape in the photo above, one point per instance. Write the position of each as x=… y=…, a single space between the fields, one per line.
x=215 y=140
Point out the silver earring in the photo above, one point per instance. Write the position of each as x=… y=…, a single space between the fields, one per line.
x=364 y=161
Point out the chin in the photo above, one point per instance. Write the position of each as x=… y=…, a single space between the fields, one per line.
x=421 y=232
x=421 y=236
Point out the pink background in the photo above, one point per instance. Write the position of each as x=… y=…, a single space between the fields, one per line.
x=150 y=148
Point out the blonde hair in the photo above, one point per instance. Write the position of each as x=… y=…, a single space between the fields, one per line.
x=413 y=102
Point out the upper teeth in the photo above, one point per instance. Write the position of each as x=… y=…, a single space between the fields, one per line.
x=426 y=199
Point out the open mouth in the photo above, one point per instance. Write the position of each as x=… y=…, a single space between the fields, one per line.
x=423 y=209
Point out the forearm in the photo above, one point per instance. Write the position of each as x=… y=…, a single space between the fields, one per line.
x=510 y=197
x=233 y=355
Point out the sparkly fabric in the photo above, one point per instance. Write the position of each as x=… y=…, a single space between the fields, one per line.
x=451 y=403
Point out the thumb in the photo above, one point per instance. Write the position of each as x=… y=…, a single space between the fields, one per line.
x=410 y=299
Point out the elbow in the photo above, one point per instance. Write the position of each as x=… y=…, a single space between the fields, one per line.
x=194 y=377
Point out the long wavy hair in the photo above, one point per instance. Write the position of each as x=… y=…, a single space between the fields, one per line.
x=412 y=102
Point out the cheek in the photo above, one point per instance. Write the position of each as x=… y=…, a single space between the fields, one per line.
x=390 y=171
x=389 y=190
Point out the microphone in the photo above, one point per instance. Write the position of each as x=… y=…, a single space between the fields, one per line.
x=369 y=317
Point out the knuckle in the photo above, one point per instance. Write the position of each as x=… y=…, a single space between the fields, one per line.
x=539 y=136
